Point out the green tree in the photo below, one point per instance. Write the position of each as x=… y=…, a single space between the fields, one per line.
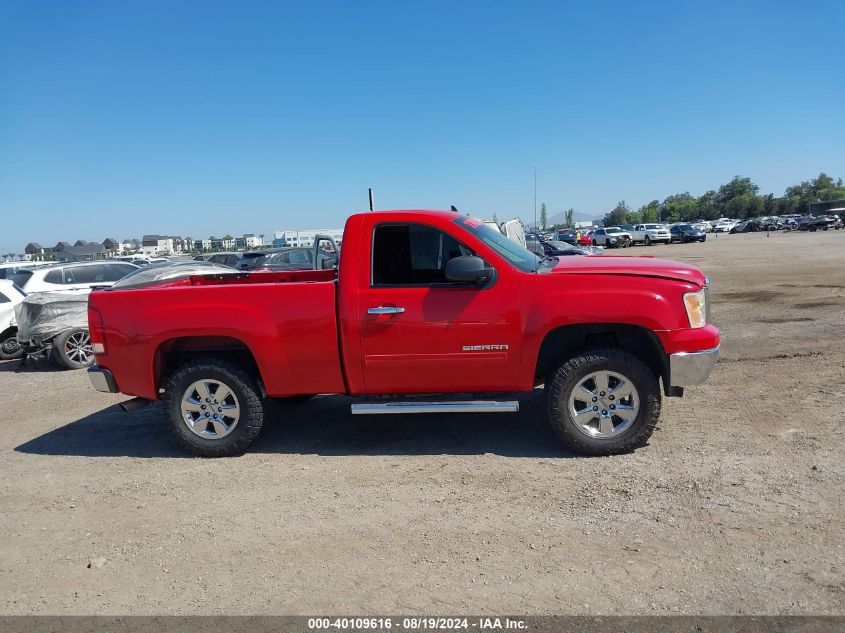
x=569 y=218
x=679 y=207
x=544 y=216
x=617 y=215
x=650 y=212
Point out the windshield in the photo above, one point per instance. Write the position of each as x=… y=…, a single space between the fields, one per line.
x=505 y=247
x=652 y=227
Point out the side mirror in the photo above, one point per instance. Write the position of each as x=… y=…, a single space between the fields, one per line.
x=468 y=268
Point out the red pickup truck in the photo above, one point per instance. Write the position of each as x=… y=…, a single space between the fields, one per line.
x=423 y=304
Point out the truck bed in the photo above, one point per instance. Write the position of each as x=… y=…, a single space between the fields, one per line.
x=285 y=320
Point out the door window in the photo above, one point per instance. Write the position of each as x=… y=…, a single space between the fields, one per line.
x=117 y=271
x=85 y=274
x=54 y=277
x=412 y=255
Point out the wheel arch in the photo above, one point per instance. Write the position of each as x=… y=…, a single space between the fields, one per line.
x=561 y=342
x=173 y=352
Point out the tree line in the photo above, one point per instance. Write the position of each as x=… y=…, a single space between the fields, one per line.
x=740 y=198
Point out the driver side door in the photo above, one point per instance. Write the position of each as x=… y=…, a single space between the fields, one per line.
x=421 y=333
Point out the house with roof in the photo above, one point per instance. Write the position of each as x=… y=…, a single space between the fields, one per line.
x=34 y=251
x=83 y=253
x=111 y=245
x=60 y=246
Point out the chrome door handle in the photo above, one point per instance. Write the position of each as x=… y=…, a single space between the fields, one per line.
x=386 y=310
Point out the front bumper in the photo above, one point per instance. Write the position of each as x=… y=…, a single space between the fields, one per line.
x=102 y=379
x=691 y=368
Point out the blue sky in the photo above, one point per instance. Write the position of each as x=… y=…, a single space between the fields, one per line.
x=193 y=118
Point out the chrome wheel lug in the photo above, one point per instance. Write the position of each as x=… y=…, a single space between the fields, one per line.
x=202 y=406
x=604 y=412
x=595 y=399
x=612 y=397
x=602 y=393
x=613 y=406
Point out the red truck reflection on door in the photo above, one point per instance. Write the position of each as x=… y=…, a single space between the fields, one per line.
x=423 y=302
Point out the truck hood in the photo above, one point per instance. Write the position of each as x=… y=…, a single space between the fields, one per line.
x=632 y=266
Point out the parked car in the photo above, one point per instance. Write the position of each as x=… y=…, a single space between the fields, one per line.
x=227 y=259
x=55 y=325
x=10 y=296
x=567 y=235
x=556 y=248
x=724 y=225
x=648 y=233
x=299 y=259
x=425 y=302
x=611 y=237
x=819 y=223
x=686 y=233
x=76 y=278
x=8 y=269
x=324 y=252
x=586 y=238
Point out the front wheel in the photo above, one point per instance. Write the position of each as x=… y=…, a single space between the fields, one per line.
x=647 y=240
x=603 y=402
x=214 y=406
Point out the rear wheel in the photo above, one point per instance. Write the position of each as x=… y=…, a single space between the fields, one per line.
x=10 y=349
x=603 y=402
x=214 y=406
x=73 y=350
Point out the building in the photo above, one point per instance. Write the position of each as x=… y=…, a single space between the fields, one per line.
x=249 y=241
x=828 y=206
x=83 y=253
x=35 y=252
x=161 y=245
x=202 y=245
x=305 y=238
x=112 y=246
x=61 y=246
x=130 y=244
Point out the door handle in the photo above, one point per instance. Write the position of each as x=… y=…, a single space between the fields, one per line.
x=386 y=310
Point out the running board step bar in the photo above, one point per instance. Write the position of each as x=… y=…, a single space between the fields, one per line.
x=472 y=406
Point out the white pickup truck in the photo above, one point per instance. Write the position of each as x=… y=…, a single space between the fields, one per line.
x=649 y=233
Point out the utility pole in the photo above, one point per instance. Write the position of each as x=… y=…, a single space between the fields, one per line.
x=371 y=198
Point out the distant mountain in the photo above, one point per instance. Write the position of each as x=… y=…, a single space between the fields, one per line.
x=560 y=218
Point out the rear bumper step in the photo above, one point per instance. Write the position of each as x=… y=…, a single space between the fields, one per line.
x=474 y=406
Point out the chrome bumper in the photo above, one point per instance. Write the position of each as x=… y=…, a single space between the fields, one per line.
x=102 y=379
x=691 y=368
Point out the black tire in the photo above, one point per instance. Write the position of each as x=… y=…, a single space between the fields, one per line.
x=566 y=378
x=10 y=349
x=72 y=349
x=647 y=240
x=246 y=392
x=595 y=243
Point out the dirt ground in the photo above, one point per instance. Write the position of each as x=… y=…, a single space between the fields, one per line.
x=736 y=505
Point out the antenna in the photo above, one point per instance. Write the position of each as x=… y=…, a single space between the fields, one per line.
x=535 y=197
x=371 y=198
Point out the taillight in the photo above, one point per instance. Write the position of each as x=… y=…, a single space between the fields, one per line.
x=96 y=331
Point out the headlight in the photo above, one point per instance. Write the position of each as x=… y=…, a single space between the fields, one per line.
x=696 y=305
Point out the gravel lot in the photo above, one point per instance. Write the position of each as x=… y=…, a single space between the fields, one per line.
x=736 y=506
